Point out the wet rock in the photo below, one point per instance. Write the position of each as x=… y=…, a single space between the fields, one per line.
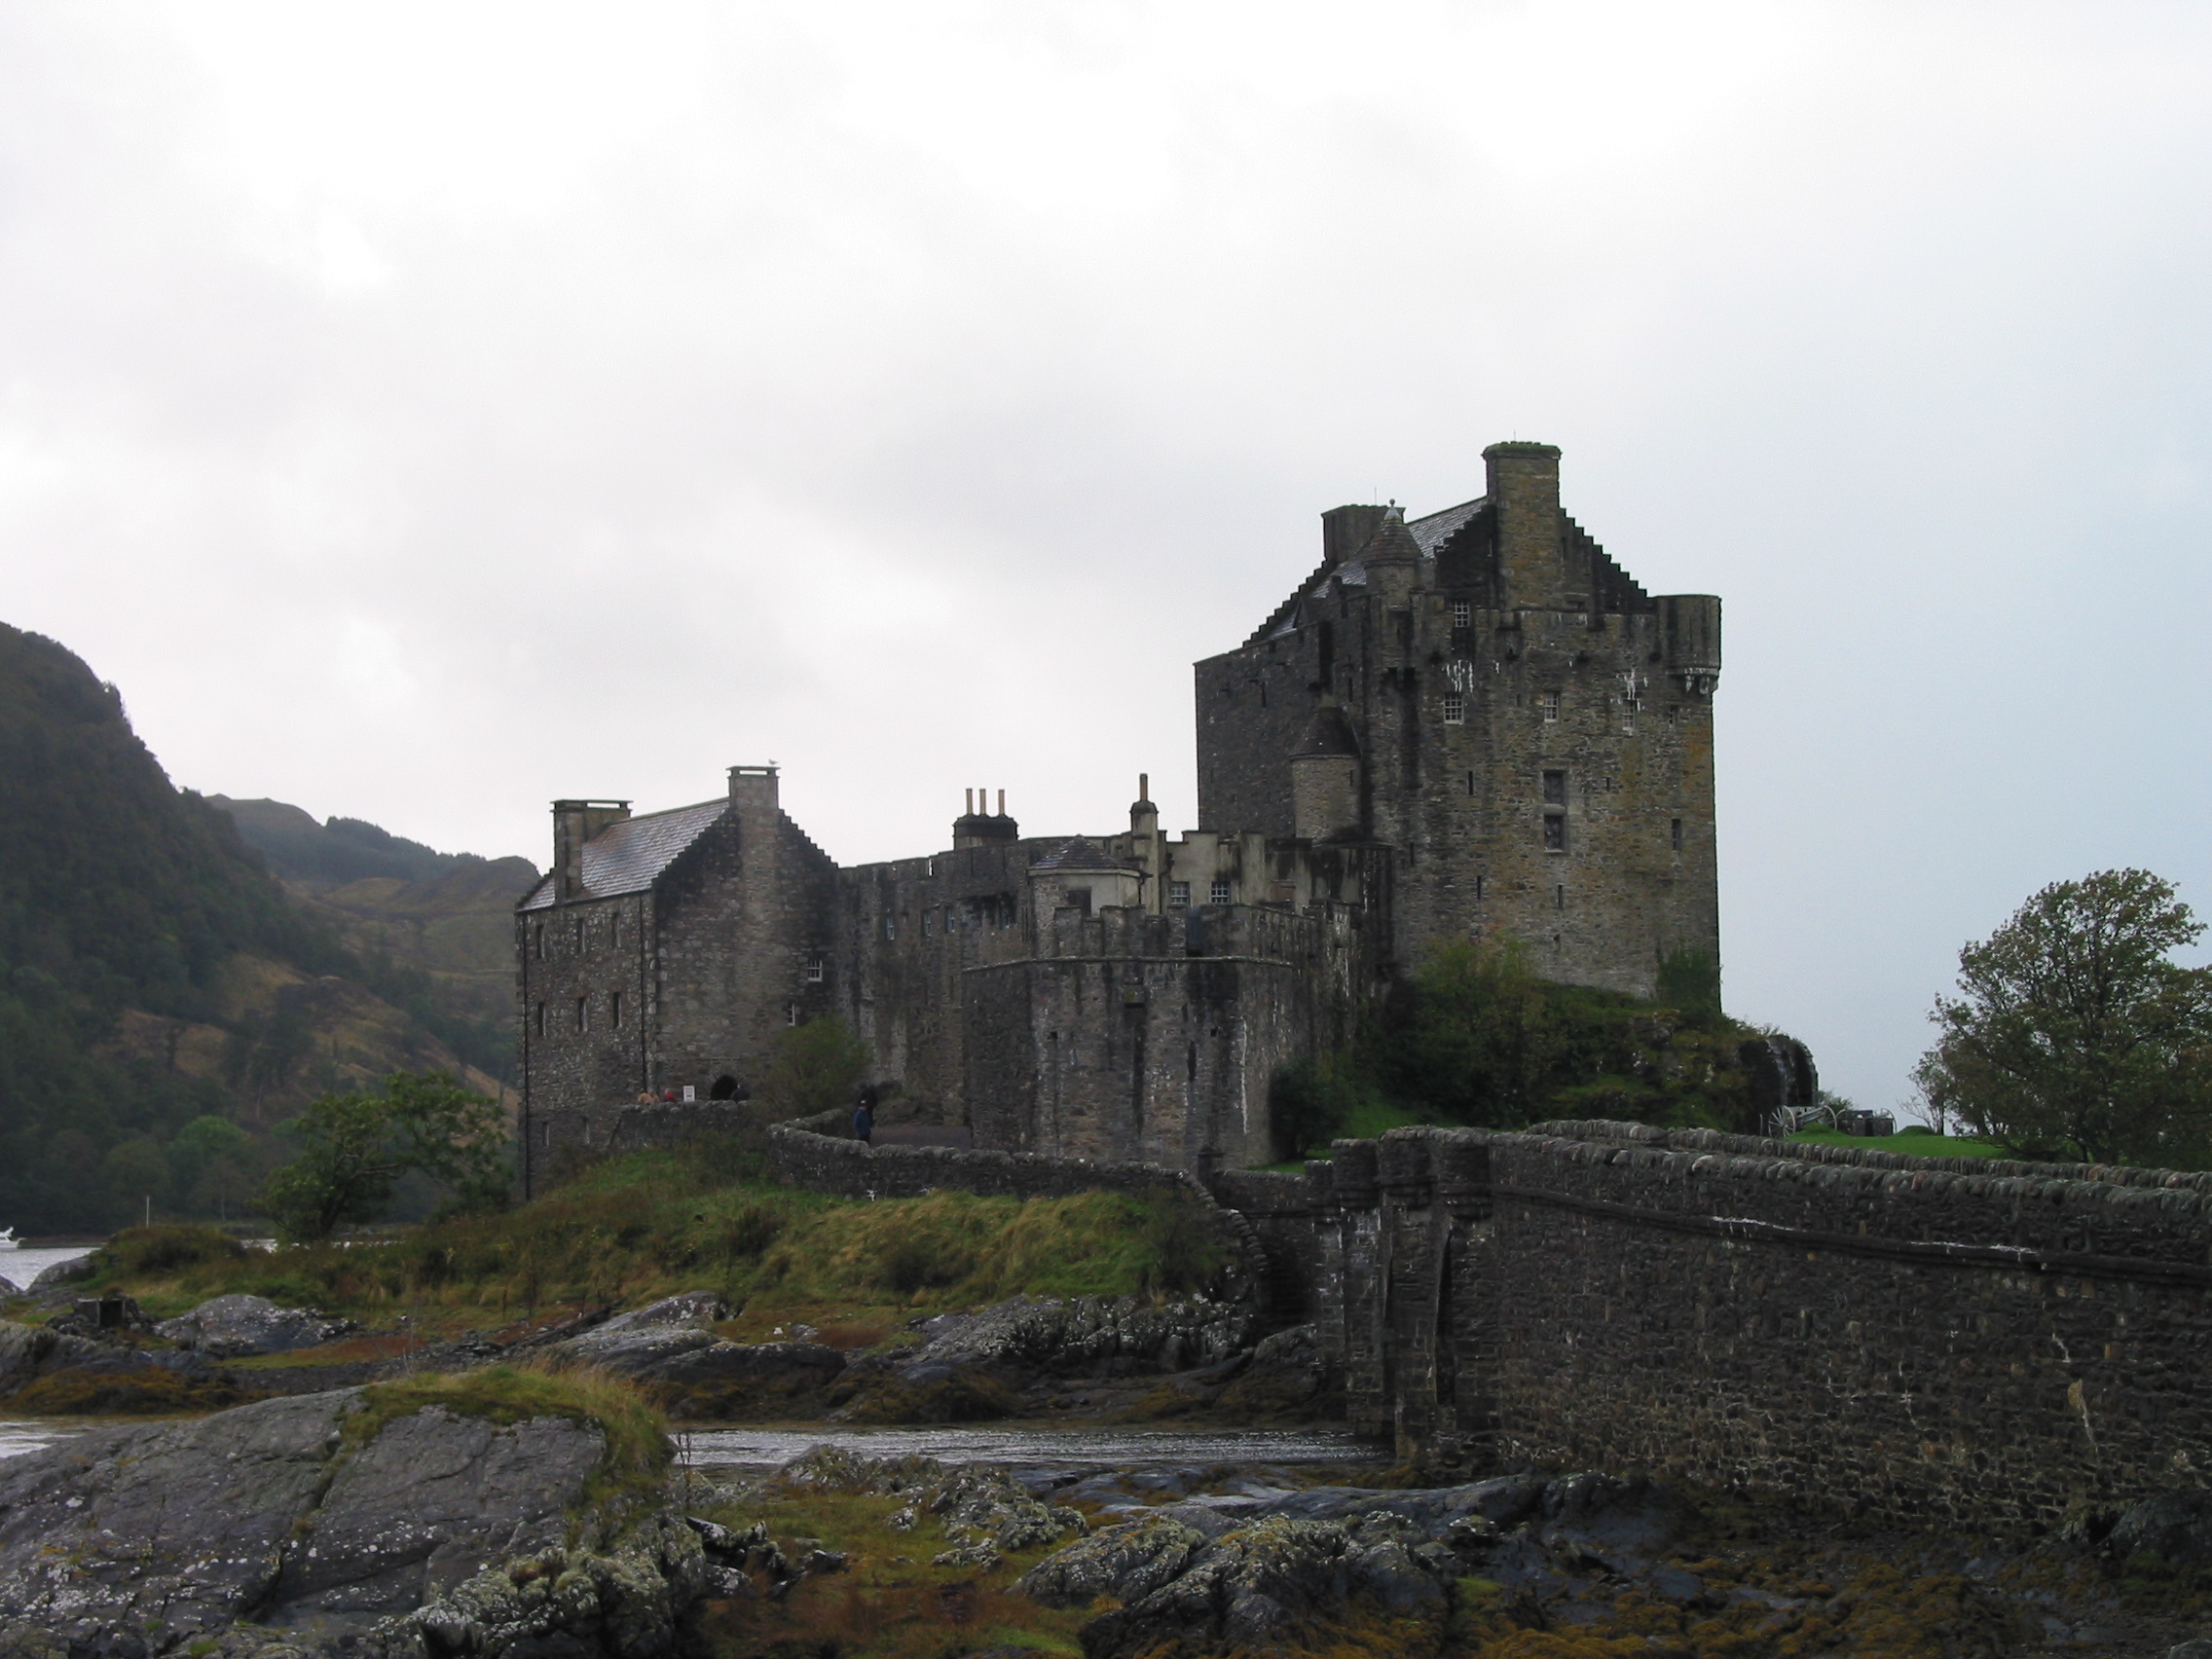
x=932 y=1393
x=439 y=1534
x=2176 y=1527
x=1287 y=1380
x=1265 y=1567
x=236 y=1327
x=671 y=1346
x=693 y=1307
x=31 y=1351
x=2200 y=1647
x=1609 y=1514
x=63 y=1273
x=1031 y=1337
x=1128 y=1561
x=1263 y=1586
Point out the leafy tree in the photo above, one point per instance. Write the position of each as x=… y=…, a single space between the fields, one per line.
x=356 y=1147
x=815 y=1067
x=2074 y=1032
x=1310 y=1101
x=1477 y=1038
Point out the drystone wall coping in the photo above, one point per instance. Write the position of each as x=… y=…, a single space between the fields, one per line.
x=808 y=1152
x=2056 y=1191
x=1874 y=1157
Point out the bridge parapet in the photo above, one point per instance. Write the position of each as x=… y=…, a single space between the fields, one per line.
x=1919 y=1338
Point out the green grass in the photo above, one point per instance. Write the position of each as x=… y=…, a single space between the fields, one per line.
x=650 y=1224
x=1371 y=1118
x=1916 y=1142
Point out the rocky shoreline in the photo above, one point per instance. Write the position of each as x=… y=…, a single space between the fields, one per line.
x=510 y=1505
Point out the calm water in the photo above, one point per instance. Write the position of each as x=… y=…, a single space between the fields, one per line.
x=21 y=1266
x=1035 y=1447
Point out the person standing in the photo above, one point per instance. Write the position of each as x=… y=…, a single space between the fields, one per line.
x=863 y=1117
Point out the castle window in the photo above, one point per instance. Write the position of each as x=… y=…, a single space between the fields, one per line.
x=1672 y=712
x=890 y=926
x=614 y=1008
x=1478 y=887
x=814 y=962
x=1178 y=896
x=614 y=931
x=791 y=1014
x=1677 y=834
x=929 y=922
x=1555 y=789
x=541 y=1020
x=539 y=940
x=580 y=936
x=1550 y=704
x=1462 y=614
x=1220 y=890
x=1558 y=901
x=1554 y=832
x=1455 y=709
x=584 y=1013
x=1470 y=783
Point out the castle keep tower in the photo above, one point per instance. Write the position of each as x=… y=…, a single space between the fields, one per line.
x=1486 y=693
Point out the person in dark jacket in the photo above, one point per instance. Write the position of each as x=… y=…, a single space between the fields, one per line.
x=863 y=1117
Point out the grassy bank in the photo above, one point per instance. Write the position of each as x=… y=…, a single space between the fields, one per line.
x=650 y=1224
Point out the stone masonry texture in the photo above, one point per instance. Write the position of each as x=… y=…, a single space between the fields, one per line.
x=1983 y=1345
x=1471 y=726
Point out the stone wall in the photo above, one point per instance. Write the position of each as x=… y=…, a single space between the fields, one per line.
x=584 y=992
x=1914 y=1339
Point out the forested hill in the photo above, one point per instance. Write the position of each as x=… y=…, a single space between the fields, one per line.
x=162 y=1003
x=339 y=851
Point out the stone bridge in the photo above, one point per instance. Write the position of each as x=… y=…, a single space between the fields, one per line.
x=1917 y=1340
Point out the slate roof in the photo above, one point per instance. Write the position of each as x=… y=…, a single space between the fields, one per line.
x=1434 y=531
x=1428 y=535
x=1328 y=733
x=629 y=857
x=1077 y=854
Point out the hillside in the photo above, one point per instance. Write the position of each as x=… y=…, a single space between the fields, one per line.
x=162 y=1003
x=434 y=931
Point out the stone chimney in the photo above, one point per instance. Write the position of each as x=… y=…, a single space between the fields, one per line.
x=1144 y=816
x=1344 y=531
x=574 y=823
x=979 y=824
x=1524 y=493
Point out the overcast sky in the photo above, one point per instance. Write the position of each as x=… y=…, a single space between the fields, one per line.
x=425 y=411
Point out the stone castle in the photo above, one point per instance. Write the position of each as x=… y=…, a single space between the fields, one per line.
x=1468 y=725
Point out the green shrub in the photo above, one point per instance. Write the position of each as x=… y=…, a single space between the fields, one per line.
x=159 y=1252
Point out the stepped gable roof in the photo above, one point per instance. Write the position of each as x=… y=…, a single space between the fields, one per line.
x=1434 y=531
x=1328 y=734
x=1077 y=854
x=629 y=857
x=1427 y=534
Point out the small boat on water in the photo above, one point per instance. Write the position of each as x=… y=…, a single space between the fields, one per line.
x=8 y=1240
